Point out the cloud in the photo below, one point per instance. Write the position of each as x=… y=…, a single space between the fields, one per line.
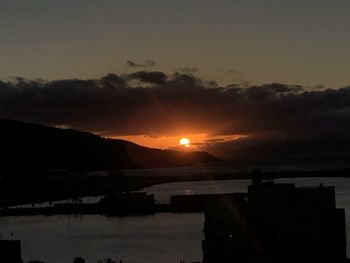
x=153 y=77
x=178 y=104
x=188 y=70
x=146 y=64
x=112 y=81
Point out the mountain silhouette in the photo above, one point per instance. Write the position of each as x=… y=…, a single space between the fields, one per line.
x=32 y=147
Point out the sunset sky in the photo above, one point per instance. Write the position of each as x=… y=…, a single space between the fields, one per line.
x=288 y=41
x=155 y=71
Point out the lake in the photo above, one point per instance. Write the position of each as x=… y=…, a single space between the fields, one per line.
x=159 y=238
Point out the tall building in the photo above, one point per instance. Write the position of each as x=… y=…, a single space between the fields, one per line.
x=276 y=223
x=10 y=251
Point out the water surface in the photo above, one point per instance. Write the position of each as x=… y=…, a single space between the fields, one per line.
x=159 y=238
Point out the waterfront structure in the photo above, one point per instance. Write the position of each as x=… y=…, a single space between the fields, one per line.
x=275 y=223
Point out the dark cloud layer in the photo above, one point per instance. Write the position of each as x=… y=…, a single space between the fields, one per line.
x=170 y=104
x=153 y=77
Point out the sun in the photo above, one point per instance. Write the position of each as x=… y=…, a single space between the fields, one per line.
x=184 y=142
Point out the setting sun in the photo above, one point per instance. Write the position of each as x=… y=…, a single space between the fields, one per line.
x=184 y=142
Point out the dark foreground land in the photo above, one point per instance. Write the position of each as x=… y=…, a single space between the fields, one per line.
x=28 y=149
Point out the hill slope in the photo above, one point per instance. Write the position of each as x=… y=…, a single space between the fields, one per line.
x=27 y=147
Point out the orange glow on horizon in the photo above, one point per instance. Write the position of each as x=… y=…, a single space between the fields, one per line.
x=164 y=142
x=173 y=143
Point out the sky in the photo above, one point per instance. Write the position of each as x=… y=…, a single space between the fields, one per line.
x=288 y=41
x=219 y=72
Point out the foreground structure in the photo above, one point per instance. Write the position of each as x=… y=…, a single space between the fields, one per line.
x=10 y=251
x=275 y=223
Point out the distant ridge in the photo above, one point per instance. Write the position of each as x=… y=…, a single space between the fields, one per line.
x=33 y=147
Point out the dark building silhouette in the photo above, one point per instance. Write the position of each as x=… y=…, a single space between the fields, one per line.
x=79 y=260
x=107 y=260
x=275 y=223
x=10 y=251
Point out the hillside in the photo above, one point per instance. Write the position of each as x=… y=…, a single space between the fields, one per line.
x=26 y=147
